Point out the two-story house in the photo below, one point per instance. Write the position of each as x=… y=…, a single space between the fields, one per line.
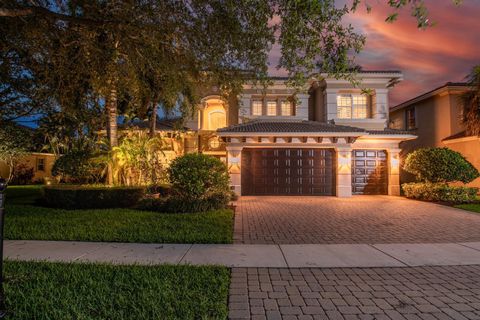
x=435 y=117
x=331 y=138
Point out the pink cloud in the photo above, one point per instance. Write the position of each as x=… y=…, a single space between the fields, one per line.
x=428 y=58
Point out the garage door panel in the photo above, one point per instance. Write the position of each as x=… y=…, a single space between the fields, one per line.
x=369 y=172
x=290 y=171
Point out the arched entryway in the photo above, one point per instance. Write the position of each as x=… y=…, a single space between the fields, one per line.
x=213 y=114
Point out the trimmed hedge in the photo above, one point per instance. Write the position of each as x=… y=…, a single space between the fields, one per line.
x=197 y=176
x=91 y=197
x=440 y=165
x=176 y=205
x=439 y=192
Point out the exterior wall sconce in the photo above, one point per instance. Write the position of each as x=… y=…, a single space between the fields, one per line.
x=394 y=163
x=234 y=165
x=345 y=163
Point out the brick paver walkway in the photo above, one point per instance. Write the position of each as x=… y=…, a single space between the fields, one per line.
x=427 y=293
x=360 y=219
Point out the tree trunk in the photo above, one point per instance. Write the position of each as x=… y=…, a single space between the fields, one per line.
x=153 y=120
x=112 y=128
x=11 y=167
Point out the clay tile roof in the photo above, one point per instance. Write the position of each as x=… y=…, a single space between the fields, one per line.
x=288 y=126
x=390 y=131
x=459 y=135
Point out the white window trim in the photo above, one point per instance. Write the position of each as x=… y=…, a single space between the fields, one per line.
x=291 y=104
x=352 y=106
x=252 y=111
x=276 y=108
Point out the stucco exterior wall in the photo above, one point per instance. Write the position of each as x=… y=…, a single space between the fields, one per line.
x=471 y=150
x=324 y=95
x=30 y=161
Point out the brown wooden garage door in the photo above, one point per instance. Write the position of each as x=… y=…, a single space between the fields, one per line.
x=369 y=172
x=290 y=171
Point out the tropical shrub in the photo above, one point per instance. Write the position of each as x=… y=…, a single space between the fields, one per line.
x=440 y=165
x=197 y=176
x=139 y=160
x=439 y=192
x=79 y=166
x=91 y=197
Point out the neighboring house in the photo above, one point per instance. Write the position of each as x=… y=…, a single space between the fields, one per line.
x=327 y=139
x=435 y=117
x=41 y=163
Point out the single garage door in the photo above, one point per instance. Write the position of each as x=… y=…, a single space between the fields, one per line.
x=369 y=172
x=292 y=171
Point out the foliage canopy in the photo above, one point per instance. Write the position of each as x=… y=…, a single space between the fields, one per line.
x=15 y=142
x=470 y=101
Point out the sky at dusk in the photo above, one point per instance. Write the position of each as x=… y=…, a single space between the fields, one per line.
x=428 y=58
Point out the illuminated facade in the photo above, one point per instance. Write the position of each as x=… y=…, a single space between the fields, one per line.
x=330 y=138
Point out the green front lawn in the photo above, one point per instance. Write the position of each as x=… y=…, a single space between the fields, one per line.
x=475 y=207
x=40 y=290
x=25 y=221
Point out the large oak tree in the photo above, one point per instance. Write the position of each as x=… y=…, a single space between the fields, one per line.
x=132 y=55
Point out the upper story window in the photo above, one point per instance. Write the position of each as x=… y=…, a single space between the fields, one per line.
x=352 y=106
x=287 y=108
x=257 y=107
x=216 y=120
x=275 y=106
x=410 y=119
x=40 y=164
x=271 y=108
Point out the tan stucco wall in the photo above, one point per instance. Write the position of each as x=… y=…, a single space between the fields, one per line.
x=470 y=150
x=433 y=122
x=31 y=160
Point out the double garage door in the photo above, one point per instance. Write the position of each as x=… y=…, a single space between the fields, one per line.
x=302 y=171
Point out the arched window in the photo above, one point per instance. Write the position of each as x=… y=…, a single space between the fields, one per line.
x=216 y=120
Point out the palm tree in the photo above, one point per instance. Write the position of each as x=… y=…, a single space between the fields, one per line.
x=471 y=103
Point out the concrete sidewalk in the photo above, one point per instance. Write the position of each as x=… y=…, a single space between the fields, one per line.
x=238 y=255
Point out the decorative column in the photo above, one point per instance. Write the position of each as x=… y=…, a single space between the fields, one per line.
x=380 y=104
x=344 y=171
x=244 y=107
x=394 y=172
x=234 y=163
x=331 y=103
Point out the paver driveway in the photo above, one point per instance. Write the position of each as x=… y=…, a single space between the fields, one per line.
x=428 y=293
x=360 y=219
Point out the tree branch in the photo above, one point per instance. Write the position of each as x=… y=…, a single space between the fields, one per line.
x=43 y=12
